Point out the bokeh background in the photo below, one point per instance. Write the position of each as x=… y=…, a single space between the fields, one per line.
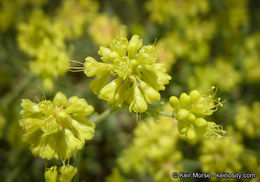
x=203 y=43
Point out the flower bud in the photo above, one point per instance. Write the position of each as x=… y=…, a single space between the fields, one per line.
x=185 y=100
x=60 y=99
x=150 y=94
x=191 y=134
x=138 y=104
x=119 y=45
x=182 y=114
x=108 y=91
x=174 y=101
x=200 y=122
x=134 y=44
x=191 y=117
x=195 y=95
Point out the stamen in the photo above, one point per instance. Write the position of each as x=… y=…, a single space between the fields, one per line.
x=76 y=62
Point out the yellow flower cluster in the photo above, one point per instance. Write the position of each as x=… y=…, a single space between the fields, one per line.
x=138 y=78
x=65 y=174
x=252 y=58
x=222 y=73
x=189 y=35
x=44 y=41
x=165 y=53
x=247 y=120
x=44 y=37
x=163 y=11
x=50 y=63
x=221 y=155
x=190 y=112
x=11 y=12
x=74 y=14
x=153 y=150
x=104 y=29
x=56 y=129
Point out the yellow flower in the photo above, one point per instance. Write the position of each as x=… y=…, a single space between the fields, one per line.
x=40 y=28
x=159 y=155
x=190 y=111
x=222 y=73
x=50 y=62
x=247 y=120
x=73 y=15
x=221 y=155
x=104 y=29
x=66 y=173
x=58 y=128
x=137 y=77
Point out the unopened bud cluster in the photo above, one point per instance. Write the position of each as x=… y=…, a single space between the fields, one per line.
x=190 y=111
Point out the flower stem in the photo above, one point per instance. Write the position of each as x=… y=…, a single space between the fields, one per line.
x=167 y=114
x=102 y=116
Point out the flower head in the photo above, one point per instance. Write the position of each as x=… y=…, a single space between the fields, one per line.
x=56 y=128
x=190 y=111
x=137 y=78
x=247 y=120
x=221 y=155
x=50 y=63
x=159 y=155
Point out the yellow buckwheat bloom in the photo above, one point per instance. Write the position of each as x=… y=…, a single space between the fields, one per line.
x=103 y=29
x=50 y=63
x=137 y=77
x=158 y=156
x=247 y=120
x=190 y=110
x=221 y=155
x=56 y=128
x=67 y=172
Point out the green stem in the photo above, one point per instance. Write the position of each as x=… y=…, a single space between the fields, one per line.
x=78 y=158
x=167 y=114
x=103 y=115
x=162 y=113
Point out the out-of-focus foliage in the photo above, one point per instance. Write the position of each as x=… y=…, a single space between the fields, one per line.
x=221 y=73
x=203 y=43
x=221 y=155
x=104 y=29
x=153 y=153
x=247 y=120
